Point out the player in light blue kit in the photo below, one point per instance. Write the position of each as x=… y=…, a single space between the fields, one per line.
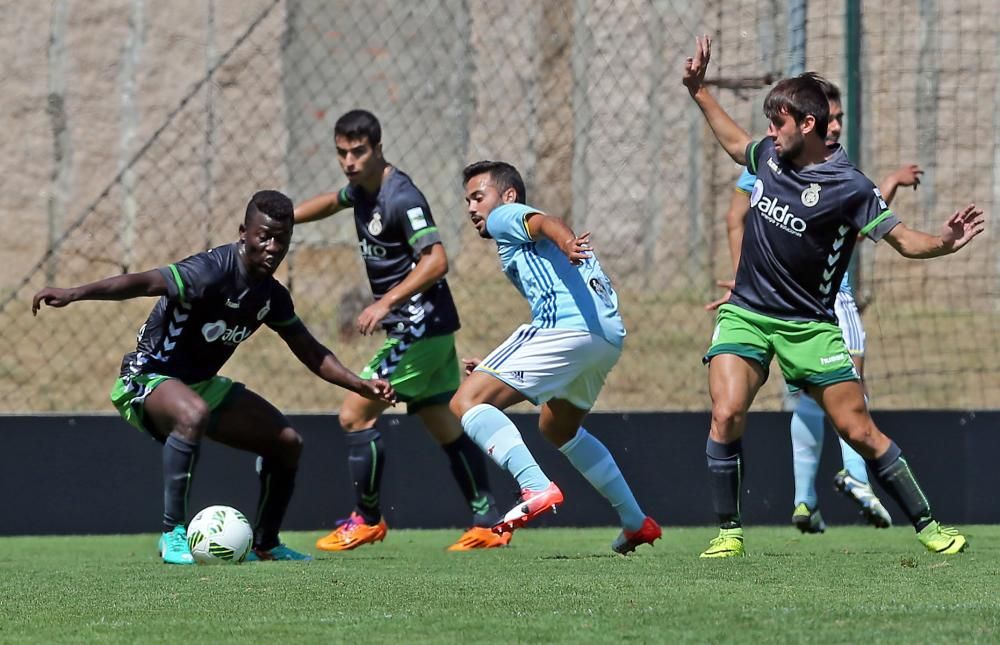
x=808 y=420
x=559 y=361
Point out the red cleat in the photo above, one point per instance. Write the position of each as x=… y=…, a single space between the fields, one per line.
x=532 y=504
x=648 y=533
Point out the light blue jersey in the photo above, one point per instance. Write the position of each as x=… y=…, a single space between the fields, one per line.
x=745 y=185
x=562 y=295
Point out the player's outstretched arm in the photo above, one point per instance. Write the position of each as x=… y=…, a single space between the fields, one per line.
x=733 y=138
x=576 y=247
x=119 y=287
x=318 y=207
x=325 y=364
x=957 y=231
x=908 y=175
x=431 y=267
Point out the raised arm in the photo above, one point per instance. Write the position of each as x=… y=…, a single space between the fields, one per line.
x=957 y=231
x=119 y=287
x=576 y=248
x=908 y=175
x=318 y=207
x=431 y=267
x=733 y=138
x=325 y=364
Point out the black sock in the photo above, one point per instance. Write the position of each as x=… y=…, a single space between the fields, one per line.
x=893 y=473
x=725 y=474
x=179 y=459
x=468 y=466
x=365 y=460
x=277 y=483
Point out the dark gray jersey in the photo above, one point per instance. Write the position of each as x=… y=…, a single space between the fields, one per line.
x=210 y=308
x=800 y=232
x=394 y=228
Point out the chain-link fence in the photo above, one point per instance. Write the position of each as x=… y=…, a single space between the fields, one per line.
x=141 y=130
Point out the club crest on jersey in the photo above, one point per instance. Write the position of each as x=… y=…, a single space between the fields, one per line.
x=375 y=226
x=263 y=311
x=810 y=196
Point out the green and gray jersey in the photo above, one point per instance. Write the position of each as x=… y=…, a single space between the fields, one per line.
x=800 y=232
x=394 y=228
x=211 y=307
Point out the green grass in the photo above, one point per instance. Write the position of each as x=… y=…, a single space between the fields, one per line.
x=552 y=585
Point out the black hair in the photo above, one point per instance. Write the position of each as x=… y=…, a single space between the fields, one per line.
x=272 y=203
x=503 y=175
x=830 y=88
x=359 y=124
x=800 y=96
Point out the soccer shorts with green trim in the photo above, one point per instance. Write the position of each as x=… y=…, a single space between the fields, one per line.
x=808 y=352
x=129 y=395
x=423 y=372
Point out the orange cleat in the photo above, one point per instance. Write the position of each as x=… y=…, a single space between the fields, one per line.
x=352 y=533
x=648 y=533
x=532 y=504
x=479 y=537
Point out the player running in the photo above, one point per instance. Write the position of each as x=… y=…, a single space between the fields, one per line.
x=406 y=264
x=809 y=204
x=559 y=361
x=170 y=387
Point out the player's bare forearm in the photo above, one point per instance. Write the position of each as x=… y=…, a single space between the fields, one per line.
x=956 y=232
x=317 y=208
x=430 y=268
x=318 y=358
x=736 y=216
x=733 y=139
x=119 y=287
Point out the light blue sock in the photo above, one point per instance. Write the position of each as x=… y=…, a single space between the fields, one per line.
x=595 y=463
x=807 y=446
x=853 y=462
x=499 y=438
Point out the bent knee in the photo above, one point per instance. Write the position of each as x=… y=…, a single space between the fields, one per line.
x=290 y=445
x=461 y=403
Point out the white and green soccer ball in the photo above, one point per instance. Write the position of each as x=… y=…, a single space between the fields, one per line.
x=219 y=534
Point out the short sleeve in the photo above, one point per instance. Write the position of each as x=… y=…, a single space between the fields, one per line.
x=192 y=279
x=506 y=224
x=745 y=183
x=874 y=217
x=345 y=197
x=282 y=311
x=754 y=151
x=413 y=216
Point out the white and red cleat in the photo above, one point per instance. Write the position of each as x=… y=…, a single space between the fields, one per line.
x=532 y=504
x=648 y=533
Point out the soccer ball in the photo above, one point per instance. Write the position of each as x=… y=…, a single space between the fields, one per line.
x=219 y=534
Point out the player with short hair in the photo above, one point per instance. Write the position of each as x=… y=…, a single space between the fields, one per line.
x=559 y=361
x=808 y=420
x=406 y=265
x=170 y=387
x=809 y=206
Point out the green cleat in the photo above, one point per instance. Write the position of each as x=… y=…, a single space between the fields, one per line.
x=174 y=547
x=942 y=539
x=729 y=544
x=280 y=552
x=807 y=520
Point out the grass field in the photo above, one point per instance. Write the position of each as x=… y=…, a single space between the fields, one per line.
x=552 y=585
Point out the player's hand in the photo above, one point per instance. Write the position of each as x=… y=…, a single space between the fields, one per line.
x=962 y=226
x=577 y=249
x=378 y=390
x=369 y=320
x=51 y=296
x=695 y=67
x=469 y=364
x=728 y=285
x=908 y=175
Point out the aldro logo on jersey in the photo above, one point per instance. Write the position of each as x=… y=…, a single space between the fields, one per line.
x=229 y=335
x=775 y=212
